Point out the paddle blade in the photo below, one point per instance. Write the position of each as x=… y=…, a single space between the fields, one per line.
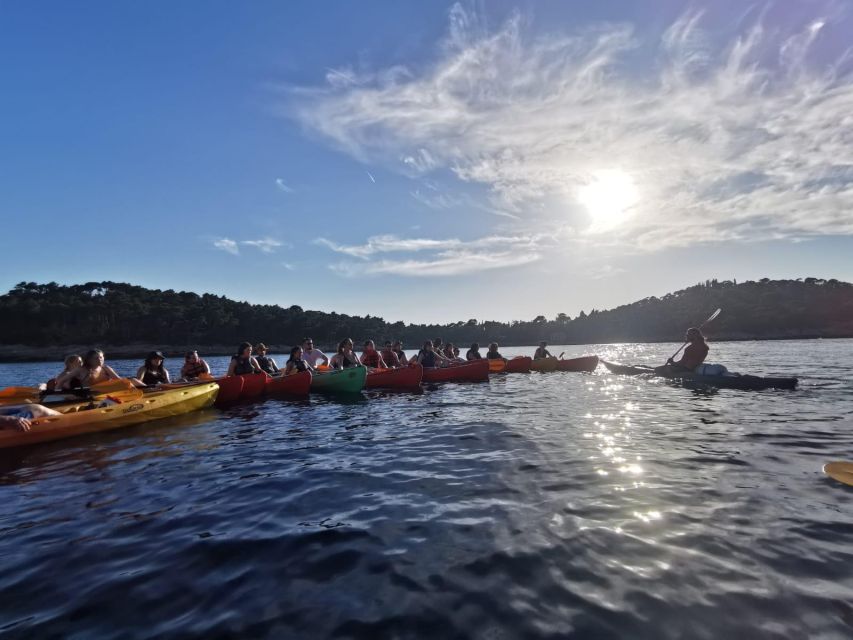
x=841 y=471
x=712 y=317
x=112 y=386
x=17 y=392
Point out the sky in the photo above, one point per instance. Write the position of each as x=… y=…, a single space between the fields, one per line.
x=426 y=161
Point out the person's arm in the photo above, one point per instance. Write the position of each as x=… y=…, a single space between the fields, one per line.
x=64 y=380
x=111 y=372
x=355 y=357
x=382 y=364
x=140 y=372
x=254 y=362
x=274 y=366
x=11 y=423
x=288 y=367
x=168 y=378
x=206 y=366
x=231 y=367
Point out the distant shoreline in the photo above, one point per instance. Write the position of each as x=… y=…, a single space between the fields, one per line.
x=27 y=353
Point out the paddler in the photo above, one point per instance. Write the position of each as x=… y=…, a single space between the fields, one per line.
x=493 y=353
x=296 y=364
x=92 y=371
x=193 y=367
x=542 y=352
x=474 y=352
x=428 y=356
x=243 y=362
x=370 y=357
x=152 y=371
x=71 y=363
x=397 y=348
x=693 y=355
x=345 y=356
x=266 y=362
x=391 y=359
x=311 y=355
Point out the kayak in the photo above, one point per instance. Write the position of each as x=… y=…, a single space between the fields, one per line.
x=403 y=378
x=349 y=380
x=296 y=384
x=474 y=371
x=230 y=388
x=98 y=391
x=729 y=381
x=254 y=385
x=544 y=364
x=77 y=419
x=585 y=363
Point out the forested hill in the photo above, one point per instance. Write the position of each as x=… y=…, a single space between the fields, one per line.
x=114 y=314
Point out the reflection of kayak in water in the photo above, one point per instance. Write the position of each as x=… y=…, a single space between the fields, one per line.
x=724 y=381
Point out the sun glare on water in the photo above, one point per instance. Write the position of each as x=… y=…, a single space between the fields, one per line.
x=608 y=198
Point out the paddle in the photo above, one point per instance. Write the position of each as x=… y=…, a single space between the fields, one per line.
x=711 y=317
x=841 y=471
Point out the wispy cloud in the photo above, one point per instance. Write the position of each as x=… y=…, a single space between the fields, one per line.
x=444 y=257
x=370 y=175
x=266 y=245
x=740 y=140
x=282 y=186
x=228 y=245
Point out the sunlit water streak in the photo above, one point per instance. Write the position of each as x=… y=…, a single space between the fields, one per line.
x=534 y=505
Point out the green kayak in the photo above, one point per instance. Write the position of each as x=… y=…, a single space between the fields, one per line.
x=349 y=380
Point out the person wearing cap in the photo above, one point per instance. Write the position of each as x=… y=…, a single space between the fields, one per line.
x=153 y=371
x=693 y=355
x=542 y=352
x=193 y=367
x=265 y=362
x=311 y=355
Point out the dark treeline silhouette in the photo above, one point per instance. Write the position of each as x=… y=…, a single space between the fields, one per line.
x=113 y=314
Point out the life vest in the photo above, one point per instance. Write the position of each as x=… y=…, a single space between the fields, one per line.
x=266 y=364
x=242 y=366
x=427 y=358
x=370 y=359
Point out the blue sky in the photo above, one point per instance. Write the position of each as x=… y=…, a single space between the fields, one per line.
x=426 y=161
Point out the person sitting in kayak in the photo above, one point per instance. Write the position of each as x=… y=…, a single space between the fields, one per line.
x=18 y=417
x=243 y=363
x=265 y=362
x=542 y=352
x=493 y=353
x=456 y=356
x=451 y=353
x=693 y=355
x=71 y=362
x=193 y=367
x=474 y=352
x=153 y=372
x=370 y=357
x=295 y=363
x=397 y=348
x=92 y=371
x=345 y=356
x=391 y=359
x=311 y=355
x=429 y=357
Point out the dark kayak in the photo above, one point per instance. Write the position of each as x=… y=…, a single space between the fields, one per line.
x=730 y=381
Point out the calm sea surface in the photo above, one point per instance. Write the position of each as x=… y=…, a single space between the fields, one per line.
x=534 y=505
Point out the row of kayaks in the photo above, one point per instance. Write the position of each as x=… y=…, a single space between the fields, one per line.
x=117 y=403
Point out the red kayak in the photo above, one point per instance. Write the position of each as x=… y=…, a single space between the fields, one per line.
x=230 y=388
x=474 y=371
x=296 y=384
x=586 y=363
x=402 y=378
x=520 y=364
x=254 y=385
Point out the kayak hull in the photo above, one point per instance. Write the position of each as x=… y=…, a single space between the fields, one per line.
x=402 y=378
x=349 y=380
x=521 y=364
x=474 y=371
x=230 y=389
x=544 y=365
x=146 y=407
x=297 y=384
x=742 y=382
x=586 y=364
x=254 y=386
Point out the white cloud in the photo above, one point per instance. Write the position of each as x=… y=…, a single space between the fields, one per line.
x=741 y=140
x=227 y=244
x=282 y=186
x=443 y=256
x=267 y=245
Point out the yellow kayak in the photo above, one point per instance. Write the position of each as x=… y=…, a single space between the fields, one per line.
x=544 y=364
x=77 y=419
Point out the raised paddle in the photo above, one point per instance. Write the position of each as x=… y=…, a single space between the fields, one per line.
x=711 y=317
x=841 y=471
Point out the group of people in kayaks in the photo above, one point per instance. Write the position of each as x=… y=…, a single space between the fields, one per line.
x=85 y=371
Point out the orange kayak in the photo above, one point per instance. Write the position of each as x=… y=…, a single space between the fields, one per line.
x=474 y=371
x=254 y=385
x=401 y=378
x=230 y=388
x=518 y=364
x=296 y=384
x=585 y=363
x=544 y=364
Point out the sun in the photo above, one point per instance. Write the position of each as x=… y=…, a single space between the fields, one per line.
x=608 y=197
